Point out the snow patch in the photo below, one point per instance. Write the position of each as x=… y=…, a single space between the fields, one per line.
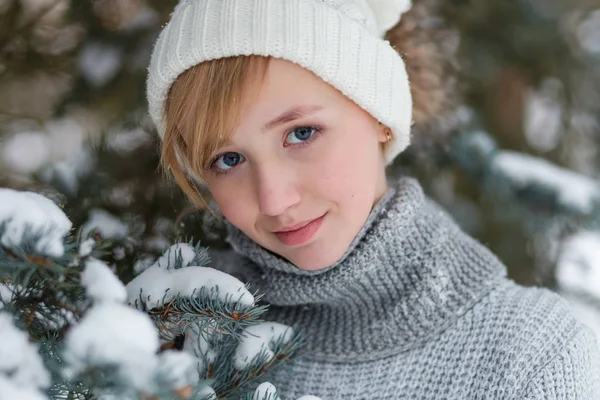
x=86 y=247
x=101 y=284
x=589 y=33
x=178 y=369
x=109 y=226
x=575 y=190
x=159 y=286
x=544 y=116
x=197 y=346
x=265 y=391
x=99 y=63
x=19 y=359
x=578 y=265
x=258 y=338
x=114 y=334
x=27 y=152
x=8 y=390
x=124 y=142
x=177 y=256
x=27 y=212
x=6 y=294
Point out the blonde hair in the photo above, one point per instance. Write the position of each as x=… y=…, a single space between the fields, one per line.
x=202 y=110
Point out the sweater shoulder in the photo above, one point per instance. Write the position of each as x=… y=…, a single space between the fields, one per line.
x=530 y=317
x=524 y=329
x=571 y=373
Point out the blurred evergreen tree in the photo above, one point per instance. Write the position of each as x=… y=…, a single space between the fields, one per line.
x=489 y=78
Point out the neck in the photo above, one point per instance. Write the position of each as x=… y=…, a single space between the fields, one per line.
x=409 y=272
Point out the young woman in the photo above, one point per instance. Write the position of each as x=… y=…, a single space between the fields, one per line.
x=289 y=111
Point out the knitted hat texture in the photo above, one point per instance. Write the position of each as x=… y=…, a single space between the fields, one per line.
x=338 y=40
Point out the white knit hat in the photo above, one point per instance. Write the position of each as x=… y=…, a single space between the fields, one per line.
x=338 y=40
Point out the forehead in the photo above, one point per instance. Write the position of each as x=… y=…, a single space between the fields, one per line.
x=286 y=84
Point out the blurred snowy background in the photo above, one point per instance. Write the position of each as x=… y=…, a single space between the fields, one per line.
x=516 y=158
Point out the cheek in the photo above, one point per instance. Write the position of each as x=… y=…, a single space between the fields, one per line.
x=348 y=165
x=231 y=202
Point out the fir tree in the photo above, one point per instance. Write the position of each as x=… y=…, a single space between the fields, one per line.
x=196 y=332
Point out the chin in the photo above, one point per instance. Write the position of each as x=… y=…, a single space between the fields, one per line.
x=313 y=259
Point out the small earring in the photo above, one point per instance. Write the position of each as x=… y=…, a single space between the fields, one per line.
x=388 y=131
x=388 y=134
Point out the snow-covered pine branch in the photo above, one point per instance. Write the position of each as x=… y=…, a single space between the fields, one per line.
x=578 y=265
x=267 y=391
x=533 y=180
x=26 y=215
x=215 y=314
x=94 y=343
x=22 y=372
x=56 y=291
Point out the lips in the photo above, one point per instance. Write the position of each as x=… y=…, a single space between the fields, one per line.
x=295 y=226
x=300 y=233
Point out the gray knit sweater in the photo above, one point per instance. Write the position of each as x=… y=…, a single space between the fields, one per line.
x=417 y=309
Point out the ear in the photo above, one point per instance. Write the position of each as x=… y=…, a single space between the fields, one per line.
x=382 y=130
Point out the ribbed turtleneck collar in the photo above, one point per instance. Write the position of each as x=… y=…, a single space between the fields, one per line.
x=408 y=274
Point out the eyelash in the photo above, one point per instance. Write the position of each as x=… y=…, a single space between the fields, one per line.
x=317 y=129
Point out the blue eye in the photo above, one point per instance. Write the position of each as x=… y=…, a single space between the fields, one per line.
x=228 y=160
x=300 y=134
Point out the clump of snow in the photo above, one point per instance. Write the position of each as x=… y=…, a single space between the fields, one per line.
x=99 y=63
x=86 y=247
x=58 y=142
x=257 y=338
x=124 y=142
x=159 y=286
x=8 y=390
x=177 y=369
x=177 y=256
x=114 y=334
x=67 y=136
x=589 y=33
x=578 y=265
x=121 y=196
x=109 y=226
x=265 y=391
x=482 y=143
x=6 y=294
x=574 y=190
x=206 y=392
x=27 y=212
x=71 y=170
x=19 y=359
x=197 y=346
x=27 y=152
x=101 y=284
x=543 y=115
x=143 y=264
x=54 y=320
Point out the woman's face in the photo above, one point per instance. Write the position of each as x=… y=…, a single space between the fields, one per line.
x=302 y=169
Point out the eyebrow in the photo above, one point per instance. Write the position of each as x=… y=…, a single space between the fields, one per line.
x=292 y=114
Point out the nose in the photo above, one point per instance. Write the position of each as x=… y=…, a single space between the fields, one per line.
x=276 y=188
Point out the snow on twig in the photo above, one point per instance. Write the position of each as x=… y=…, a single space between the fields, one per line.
x=574 y=190
x=101 y=284
x=27 y=212
x=157 y=286
x=259 y=338
x=578 y=266
x=21 y=368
